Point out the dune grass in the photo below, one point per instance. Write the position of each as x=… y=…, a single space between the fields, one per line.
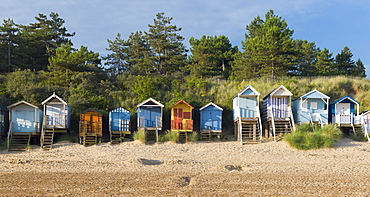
x=313 y=137
x=193 y=137
x=172 y=136
x=140 y=135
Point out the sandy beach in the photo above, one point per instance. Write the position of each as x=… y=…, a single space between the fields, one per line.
x=193 y=169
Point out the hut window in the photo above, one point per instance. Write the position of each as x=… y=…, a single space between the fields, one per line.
x=313 y=105
x=186 y=115
x=304 y=106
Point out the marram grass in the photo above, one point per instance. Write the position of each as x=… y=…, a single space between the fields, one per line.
x=306 y=137
x=140 y=135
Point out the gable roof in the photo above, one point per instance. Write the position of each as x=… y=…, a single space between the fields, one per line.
x=152 y=100
x=249 y=87
x=278 y=89
x=91 y=110
x=182 y=101
x=120 y=109
x=20 y=103
x=209 y=104
x=54 y=96
x=314 y=94
x=344 y=98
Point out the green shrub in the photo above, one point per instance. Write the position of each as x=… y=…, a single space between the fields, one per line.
x=193 y=137
x=305 y=138
x=331 y=131
x=140 y=135
x=359 y=136
x=172 y=136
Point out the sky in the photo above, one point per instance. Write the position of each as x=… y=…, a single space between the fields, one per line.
x=331 y=24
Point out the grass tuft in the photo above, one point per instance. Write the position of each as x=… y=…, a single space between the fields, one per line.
x=307 y=137
x=173 y=136
x=193 y=137
x=140 y=135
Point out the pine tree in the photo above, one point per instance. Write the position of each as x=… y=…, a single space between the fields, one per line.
x=211 y=56
x=268 y=48
x=168 y=50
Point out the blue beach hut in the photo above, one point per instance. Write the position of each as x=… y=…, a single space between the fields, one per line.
x=312 y=107
x=246 y=114
x=149 y=116
x=25 y=122
x=119 y=125
x=210 y=120
x=344 y=112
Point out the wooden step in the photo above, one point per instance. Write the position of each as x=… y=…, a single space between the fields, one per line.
x=19 y=142
x=47 y=139
x=90 y=139
x=250 y=133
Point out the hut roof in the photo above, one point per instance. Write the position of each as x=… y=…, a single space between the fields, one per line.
x=249 y=87
x=314 y=94
x=20 y=103
x=182 y=101
x=150 y=100
x=281 y=90
x=91 y=109
x=209 y=104
x=54 y=96
x=345 y=98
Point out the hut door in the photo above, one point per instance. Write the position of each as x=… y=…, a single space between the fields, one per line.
x=24 y=121
x=178 y=118
x=95 y=123
x=344 y=112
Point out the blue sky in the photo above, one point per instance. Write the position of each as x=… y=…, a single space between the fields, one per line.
x=330 y=24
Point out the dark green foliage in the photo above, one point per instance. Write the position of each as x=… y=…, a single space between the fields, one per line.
x=211 y=56
x=268 y=49
x=30 y=46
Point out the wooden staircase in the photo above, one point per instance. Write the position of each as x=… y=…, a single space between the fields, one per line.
x=152 y=135
x=116 y=137
x=47 y=138
x=357 y=129
x=279 y=127
x=282 y=127
x=183 y=136
x=90 y=139
x=248 y=130
x=19 y=141
x=206 y=136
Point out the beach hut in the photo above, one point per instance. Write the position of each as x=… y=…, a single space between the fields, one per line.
x=91 y=127
x=25 y=123
x=246 y=115
x=57 y=116
x=312 y=107
x=210 y=121
x=365 y=121
x=119 y=125
x=4 y=120
x=149 y=117
x=182 y=118
x=344 y=112
x=277 y=112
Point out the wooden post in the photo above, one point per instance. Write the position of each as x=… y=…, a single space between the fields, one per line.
x=254 y=132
